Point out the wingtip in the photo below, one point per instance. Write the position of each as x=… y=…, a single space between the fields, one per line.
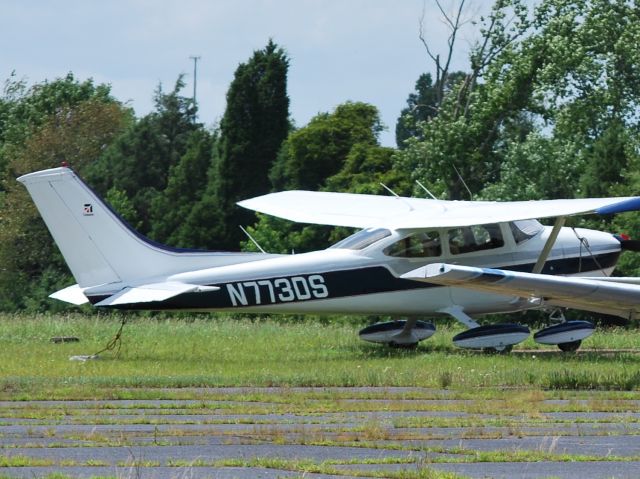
x=631 y=204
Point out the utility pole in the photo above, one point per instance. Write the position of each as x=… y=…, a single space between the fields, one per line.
x=195 y=79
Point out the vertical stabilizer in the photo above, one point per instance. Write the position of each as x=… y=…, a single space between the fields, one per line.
x=97 y=245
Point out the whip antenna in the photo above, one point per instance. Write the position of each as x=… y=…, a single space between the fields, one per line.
x=251 y=238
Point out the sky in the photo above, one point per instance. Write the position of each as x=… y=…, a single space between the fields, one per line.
x=339 y=50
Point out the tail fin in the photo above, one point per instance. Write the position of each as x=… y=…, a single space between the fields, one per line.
x=98 y=245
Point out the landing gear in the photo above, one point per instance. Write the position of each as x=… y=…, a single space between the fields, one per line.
x=496 y=338
x=567 y=335
x=405 y=334
x=407 y=346
x=502 y=350
x=570 y=347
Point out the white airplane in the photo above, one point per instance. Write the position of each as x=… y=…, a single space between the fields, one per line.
x=413 y=257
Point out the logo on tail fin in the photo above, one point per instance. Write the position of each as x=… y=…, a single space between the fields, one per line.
x=88 y=209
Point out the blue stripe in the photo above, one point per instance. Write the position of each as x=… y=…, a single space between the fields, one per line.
x=632 y=204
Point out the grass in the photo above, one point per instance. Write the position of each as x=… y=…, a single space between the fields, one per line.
x=218 y=351
x=495 y=396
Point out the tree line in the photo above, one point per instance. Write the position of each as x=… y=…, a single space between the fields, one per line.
x=548 y=107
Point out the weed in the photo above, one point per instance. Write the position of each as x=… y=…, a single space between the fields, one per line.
x=237 y=352
x=445 y=379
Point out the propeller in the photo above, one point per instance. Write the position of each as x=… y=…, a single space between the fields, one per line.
x=627 y=244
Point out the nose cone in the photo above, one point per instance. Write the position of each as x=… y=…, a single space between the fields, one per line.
x=597 y=252
x=596 y=241
x=628 y=244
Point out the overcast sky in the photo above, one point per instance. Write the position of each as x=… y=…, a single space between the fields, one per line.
x=339 y=50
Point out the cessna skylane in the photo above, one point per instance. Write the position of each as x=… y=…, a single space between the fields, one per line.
x=412 y=257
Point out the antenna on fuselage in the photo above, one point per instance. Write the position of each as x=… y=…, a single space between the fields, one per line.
x=425 y=189
x=463 y=182
x=404 y=200
x=438 y=200
x=252 y=239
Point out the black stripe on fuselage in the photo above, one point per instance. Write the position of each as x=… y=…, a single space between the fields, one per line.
x=565 y=266
x=286 y=289
x=332 y=285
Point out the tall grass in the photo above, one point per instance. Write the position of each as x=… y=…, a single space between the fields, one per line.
x=219 y=351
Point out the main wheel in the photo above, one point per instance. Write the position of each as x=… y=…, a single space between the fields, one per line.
x=570 y=347
x=505 y=350
x=395 y=345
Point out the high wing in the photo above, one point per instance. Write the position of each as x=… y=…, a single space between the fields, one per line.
x=601 y=295
x=365 y=211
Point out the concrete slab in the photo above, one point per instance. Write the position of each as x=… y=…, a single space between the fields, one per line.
x=176 y=430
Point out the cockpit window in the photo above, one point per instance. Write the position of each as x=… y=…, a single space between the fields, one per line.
x=475 y=238
x=363 y=238
x=418 y=245
x=525 y=229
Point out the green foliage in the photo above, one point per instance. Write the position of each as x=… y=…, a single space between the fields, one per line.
x=606 y=161
x=565 y=70
x=423 y=105
x=317 y=151
x=255 y=123
x=275 y=235
x=121 y=203
x=547 y=107
x=40 y=136
x=336 y=151
x=537 y=155
x=139 y=162
x=188 y=180
x=24 y=108
x=364 y=168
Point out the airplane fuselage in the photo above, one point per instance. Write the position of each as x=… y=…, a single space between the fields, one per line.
x=366 y=280
x=414 y=257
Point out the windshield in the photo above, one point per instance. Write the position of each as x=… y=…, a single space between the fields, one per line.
x=362 y=239
x=525 y=229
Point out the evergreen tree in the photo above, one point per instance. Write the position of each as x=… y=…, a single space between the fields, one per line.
x=139 y=162
x=422 y=105
x=254 y=125
x=187 y=183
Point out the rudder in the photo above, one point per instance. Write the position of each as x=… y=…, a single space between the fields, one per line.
x=98 y=246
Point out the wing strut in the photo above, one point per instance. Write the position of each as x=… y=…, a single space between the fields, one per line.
x=457 y=312
x=544 y=254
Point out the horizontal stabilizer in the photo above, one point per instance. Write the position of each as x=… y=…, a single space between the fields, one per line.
x=366 y=211
x=71 y=294
x=147 y=293
x=621 y=298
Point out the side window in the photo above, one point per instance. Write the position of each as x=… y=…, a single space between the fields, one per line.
x=475 y=238
x=418 y=245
